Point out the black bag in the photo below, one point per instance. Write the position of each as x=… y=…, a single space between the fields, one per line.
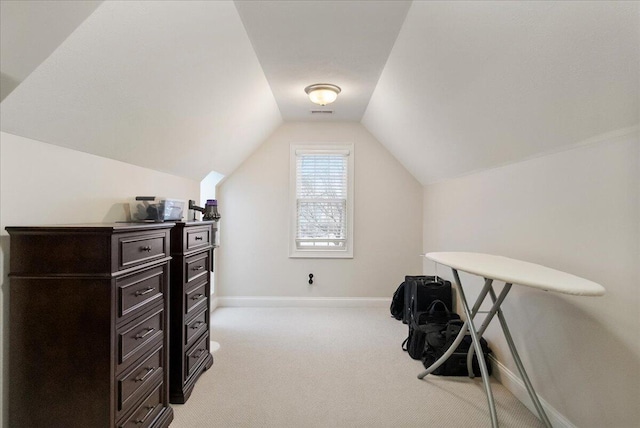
x=427 y=289
x=424 y=326
x=436 y=320
x=437 y=313
x=414 y=343
x=397 y=303
x=456 y=364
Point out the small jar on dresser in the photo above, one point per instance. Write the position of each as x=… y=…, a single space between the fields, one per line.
x=192 y=245
x=88 y=326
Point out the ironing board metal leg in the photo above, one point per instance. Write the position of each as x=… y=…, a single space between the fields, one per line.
x=523 y=373
x=495 y=308
x=476 y=343
x=483 y=294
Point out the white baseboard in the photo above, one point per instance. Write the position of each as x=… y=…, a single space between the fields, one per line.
x=516 y=386
x=304 y=302
x=214 y=303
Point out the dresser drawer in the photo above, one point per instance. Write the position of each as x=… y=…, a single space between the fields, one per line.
x=134 y=337
x=197 y=266
x=195 y=297
x=147 y=412
x=139 y=378
x=195 y=327
x=196 y=355
x=198 y=237
x=141 y=290
x=135 y=249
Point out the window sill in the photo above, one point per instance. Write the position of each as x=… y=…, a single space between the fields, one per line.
x=302 y=254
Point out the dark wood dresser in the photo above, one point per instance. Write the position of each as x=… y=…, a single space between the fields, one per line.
x=88 y=326
x=192 y=246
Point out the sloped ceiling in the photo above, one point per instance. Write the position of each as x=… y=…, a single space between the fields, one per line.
x=172 y=86
x=194 y=86
x=31 y=30
x=473 y=85
x=300 y=43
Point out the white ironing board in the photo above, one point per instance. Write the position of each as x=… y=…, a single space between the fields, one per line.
x=509 y=271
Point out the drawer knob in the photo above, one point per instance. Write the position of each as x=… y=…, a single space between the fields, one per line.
x=199 y=354
x=197 y=296
x=146 y=375
x=146 y=248
x=145 y=291
x=198 y=238
x=149 y=330
x=144 y=418
x=197 y=325
x=197 y=268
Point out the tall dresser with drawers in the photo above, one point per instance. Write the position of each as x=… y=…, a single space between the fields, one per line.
x=192 y=246
x=88 y=326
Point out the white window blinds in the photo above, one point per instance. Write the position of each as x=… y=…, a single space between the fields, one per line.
x=321 y=199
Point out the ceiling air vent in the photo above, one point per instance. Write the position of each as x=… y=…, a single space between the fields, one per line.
x=321 y=111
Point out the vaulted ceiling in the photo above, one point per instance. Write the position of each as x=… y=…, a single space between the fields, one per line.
x=190 y=87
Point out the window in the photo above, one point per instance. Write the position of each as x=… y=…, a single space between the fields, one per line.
x=321 y=201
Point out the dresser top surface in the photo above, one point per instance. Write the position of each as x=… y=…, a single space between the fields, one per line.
x=89 y=227
x=195 y=223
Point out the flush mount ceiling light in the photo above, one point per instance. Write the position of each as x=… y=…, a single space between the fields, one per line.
x=322 y=93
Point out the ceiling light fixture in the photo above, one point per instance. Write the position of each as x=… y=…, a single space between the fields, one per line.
x=322 y=93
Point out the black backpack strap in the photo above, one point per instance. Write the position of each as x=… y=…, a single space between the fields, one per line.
x=414 y=302
x=404 y=344
x=433 y=308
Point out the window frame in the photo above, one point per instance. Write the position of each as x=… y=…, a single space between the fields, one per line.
x=329 y=252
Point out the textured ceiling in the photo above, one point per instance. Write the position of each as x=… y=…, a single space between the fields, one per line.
x=194 y=86
x=31 y=30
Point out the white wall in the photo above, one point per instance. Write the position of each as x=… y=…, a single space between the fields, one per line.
x=253 y=256
x=576 y=211
x=208 y=186
x=45 y=184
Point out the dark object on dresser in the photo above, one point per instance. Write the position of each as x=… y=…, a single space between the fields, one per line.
x=192 y=252
x=88 y=326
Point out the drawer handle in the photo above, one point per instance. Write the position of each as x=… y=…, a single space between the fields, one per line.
x=146 y=248
x=145 y=291
x=141 y=421
x=197 y=325
x=197 y=268
x=198 y=238
x=146 y=375
x=147 y=333
x=199 y=354
x=197 y=296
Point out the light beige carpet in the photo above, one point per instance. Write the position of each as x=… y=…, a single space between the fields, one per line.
x=330 y=367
